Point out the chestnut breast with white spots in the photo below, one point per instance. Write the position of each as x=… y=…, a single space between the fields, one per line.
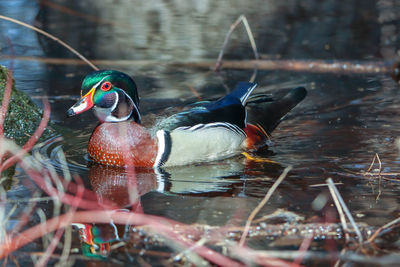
x=122 y=144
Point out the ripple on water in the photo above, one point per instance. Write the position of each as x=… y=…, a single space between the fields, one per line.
x=59 y=154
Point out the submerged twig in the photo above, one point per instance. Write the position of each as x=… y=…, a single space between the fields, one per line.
x=262 y=203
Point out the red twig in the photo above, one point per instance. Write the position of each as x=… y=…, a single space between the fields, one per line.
x=303 y=248
x=65 y=198
x=159 y=225
x=50 y=249
x=90 y=202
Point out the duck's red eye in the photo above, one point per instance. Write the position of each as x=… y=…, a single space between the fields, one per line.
x=106 y=86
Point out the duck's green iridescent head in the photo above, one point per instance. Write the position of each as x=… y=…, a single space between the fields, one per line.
x=112 y=95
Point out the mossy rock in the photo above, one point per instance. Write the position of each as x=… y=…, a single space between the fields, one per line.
x=22 y=118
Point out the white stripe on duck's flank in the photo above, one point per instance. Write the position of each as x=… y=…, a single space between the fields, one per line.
x=164 y=148
x=203 y=142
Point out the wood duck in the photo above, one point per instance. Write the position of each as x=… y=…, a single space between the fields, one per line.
x=205 y=131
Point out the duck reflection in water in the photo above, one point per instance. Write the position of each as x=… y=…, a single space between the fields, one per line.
x=125 y=187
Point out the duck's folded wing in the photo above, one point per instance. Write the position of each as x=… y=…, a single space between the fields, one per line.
x=268 y=112
x=229 y=109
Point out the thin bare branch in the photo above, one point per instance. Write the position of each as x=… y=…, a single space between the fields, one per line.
x=382 y=228
x=51 y=37
x=242 y=19
x=262 y=203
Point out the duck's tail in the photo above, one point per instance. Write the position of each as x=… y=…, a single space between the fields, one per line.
x=268 y=112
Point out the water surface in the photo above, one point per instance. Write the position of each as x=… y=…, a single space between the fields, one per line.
x=342 y=123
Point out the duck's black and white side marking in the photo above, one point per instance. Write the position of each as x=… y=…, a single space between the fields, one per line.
x=164 y=148
x=199 y=143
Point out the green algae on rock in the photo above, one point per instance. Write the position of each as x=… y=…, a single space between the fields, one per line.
x=22 y=118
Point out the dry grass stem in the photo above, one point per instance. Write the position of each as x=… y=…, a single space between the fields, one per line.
x=376 y=157
x=382 y=228
x=195 y=93
x=339 y=202
x=66 y=248
x=262 y=203
x=388 y=176
x=321 y=185
x=242 y=19
x=192 y=257
x=342 y=217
